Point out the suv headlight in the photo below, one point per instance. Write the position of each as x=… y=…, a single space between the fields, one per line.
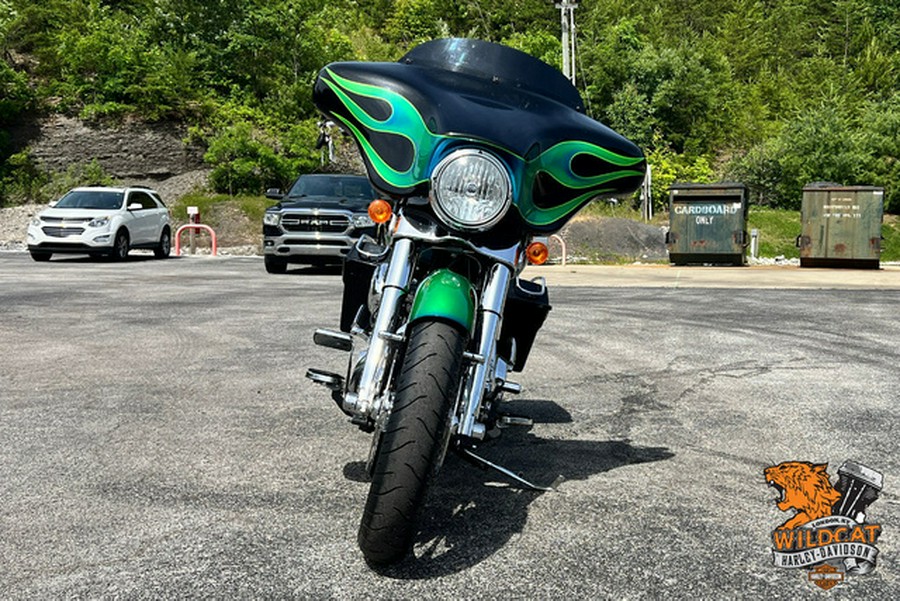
x=271 y=218
x=470 y=189
x=99 y=222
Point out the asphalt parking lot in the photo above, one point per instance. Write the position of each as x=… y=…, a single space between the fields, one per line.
x=158 y=438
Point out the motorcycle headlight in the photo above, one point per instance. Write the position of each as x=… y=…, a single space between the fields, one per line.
x=471 y=189
x=271 y=218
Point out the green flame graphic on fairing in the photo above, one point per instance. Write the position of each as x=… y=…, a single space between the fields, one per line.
x=406 y=121
x=556 y=162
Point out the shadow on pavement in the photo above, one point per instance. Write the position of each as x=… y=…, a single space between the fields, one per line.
x=472 y=513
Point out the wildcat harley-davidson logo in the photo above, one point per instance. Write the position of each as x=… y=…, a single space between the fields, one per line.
x=829 y=535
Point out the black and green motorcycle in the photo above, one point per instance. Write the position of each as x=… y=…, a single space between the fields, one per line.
x=479 y=151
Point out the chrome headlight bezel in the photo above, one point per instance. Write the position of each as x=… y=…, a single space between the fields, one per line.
x=471 y=189
x=98 y=222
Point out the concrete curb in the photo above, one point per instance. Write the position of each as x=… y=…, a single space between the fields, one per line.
x=757 y=276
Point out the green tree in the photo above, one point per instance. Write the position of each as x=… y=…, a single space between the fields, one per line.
x=248 y=159
x=878 y=141
x=539 y=44
x=821 y=144
x=15 y=94
x=415 y=21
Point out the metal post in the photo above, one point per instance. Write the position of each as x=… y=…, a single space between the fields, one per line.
x=572 y=41
x=647 y=196
x=567 y=22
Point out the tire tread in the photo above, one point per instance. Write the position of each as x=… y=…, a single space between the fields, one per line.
x=412 y=441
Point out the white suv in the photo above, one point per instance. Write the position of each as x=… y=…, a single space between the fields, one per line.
x=102 y=221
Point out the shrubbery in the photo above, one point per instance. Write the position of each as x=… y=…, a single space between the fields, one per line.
x=775 y=94
x=24 y=181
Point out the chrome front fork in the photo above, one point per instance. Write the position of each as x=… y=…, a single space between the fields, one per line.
x=491 y=313
x=367 y=399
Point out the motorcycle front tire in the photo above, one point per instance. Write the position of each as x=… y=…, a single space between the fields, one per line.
x=414 y=440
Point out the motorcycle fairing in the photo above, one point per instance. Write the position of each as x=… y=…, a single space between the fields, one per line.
x=406 y=116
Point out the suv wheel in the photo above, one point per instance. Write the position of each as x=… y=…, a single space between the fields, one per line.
x=165 y=245
x=119 y=251
x=38 y=255
x=275 y=264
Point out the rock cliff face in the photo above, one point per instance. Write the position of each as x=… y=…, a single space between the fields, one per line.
x=128 y=152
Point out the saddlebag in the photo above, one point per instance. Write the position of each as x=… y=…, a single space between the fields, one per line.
x=357 y=277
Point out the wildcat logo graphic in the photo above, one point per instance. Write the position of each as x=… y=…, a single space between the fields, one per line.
x=828 y=535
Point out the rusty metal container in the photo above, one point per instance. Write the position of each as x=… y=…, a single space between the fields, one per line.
x=841 y=226
x=707 y=224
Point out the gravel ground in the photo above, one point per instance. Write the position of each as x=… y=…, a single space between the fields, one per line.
x=13 y=223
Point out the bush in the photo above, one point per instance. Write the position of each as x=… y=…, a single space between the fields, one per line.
x=246 y=159
x=22 y=180
x=16 y=96
x=668 y=167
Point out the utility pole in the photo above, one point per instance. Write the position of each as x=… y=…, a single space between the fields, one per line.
x=567 y=18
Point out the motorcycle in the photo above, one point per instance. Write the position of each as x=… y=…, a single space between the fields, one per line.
x=479 y=151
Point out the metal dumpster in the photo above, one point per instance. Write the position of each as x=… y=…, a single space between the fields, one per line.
x=841 y=226
x=707 y=224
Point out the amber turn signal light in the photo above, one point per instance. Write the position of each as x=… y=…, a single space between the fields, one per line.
x=537 y=253
x=380 y=211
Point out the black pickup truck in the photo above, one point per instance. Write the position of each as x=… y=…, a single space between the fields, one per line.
x=317 y=222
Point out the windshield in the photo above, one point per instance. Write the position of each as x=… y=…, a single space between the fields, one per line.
x=495 y=64
x=91 y=199
x=354 y=188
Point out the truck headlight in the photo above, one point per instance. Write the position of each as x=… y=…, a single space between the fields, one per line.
x=271 y=218
x=470 y=189
x=362 y=220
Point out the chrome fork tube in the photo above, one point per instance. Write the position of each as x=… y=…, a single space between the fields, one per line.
x=364 y=401
x=491 y=310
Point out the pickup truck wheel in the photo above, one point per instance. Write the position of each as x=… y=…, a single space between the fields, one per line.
x=275 y=264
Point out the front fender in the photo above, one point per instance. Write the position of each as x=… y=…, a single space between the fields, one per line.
x=445 y=295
